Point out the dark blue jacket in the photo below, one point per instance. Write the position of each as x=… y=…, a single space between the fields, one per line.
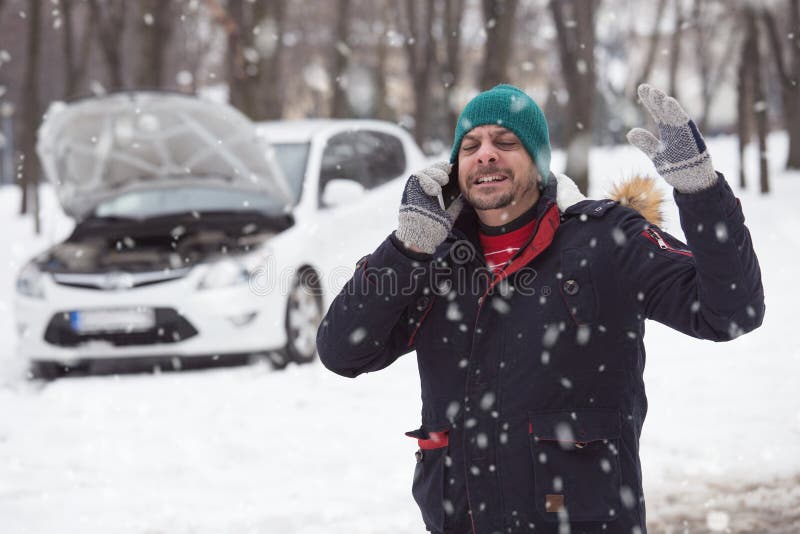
x=532 y=393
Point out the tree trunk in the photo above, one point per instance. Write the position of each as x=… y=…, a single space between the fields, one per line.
x=382 y=109
x=70 y=78
x=341 y=52
x=652 y=47
x=255 y=50
x=675 y=50
x=576 y=51
x=793 y=95
x=499 y=19
x=420 y=53
x=743 y=105
x=75 y=61
x=110 y=21
x=453 y=13
x=231 y=20
x=155 y=27
x=752 y=58
x=760 y=104
x=703 y=61
x=31 y=115
x=789 y=76
x=272 y=80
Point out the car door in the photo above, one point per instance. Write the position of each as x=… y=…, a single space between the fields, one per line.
x=378 y=161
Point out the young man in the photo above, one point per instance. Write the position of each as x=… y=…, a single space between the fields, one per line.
x=527 y=316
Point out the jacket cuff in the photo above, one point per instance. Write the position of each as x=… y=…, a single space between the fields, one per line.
x=398 y=243
x=718 y=198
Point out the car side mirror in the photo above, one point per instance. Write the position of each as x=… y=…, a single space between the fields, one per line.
x=340 y=191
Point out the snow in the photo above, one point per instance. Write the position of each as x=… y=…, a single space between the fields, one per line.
x=304 y=451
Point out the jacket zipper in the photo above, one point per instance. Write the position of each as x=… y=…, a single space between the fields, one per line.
x=656 y=238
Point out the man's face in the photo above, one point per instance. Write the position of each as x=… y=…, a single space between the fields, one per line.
x=495 y=172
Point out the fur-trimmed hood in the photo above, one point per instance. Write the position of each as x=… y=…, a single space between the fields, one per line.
x=638 y=192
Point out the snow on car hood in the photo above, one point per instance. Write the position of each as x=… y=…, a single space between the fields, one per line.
x=97 y=148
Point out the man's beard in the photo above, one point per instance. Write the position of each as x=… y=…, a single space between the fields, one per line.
x=504 y=200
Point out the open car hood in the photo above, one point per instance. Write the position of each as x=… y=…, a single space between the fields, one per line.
x=97 y=148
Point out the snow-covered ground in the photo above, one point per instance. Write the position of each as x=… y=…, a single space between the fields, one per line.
x=304 y=451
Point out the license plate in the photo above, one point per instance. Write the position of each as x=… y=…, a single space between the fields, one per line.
x=112 y=320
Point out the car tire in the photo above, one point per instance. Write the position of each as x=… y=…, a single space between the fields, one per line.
x=303 y=316
x=46 y=371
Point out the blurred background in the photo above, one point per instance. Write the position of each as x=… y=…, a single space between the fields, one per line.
x=735 y=64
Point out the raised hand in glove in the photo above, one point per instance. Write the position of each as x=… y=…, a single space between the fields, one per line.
x=424 y=225
x=680 y=156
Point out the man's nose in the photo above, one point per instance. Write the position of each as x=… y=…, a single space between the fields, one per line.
x=487 y=155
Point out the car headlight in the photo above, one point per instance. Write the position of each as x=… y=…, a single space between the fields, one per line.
x=30 y=282
x=224 y=273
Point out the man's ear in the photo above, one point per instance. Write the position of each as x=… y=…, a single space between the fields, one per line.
x=539 y=181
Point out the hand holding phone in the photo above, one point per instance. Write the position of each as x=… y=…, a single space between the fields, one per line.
x=451 y=190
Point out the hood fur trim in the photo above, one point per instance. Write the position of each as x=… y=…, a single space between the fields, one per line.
x=641 y=194
x=567 y=192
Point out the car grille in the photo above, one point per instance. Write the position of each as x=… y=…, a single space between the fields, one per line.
x=117 y=280
x=170 y=327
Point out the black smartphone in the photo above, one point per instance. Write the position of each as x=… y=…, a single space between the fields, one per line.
x=451 y=190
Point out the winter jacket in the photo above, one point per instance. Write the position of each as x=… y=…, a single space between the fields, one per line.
x=532 y=392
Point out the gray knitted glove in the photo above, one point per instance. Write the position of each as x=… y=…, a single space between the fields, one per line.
x=680 y=156
x=423 y=222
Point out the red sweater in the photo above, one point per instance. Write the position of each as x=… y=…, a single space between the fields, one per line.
x=500 y=243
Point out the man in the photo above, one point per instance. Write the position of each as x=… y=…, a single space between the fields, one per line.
x=532 y=393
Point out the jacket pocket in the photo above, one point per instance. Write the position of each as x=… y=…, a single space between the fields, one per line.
x=576 y=464
x=429 y=475
x=576 y=287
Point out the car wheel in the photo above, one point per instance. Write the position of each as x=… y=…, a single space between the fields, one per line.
x=45 y=370
x=303 y=316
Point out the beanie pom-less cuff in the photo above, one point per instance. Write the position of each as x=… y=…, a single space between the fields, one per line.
x=511 y=108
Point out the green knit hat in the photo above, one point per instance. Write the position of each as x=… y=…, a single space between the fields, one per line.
x=509 y=107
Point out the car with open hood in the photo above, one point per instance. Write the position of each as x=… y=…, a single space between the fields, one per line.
x=200 y=234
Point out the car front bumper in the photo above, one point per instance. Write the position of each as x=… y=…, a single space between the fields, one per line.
x=190 y=322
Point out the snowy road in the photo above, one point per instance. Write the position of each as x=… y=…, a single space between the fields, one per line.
x=302 y=451
x=727 y=506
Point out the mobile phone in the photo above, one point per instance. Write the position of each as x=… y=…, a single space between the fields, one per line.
x=450 y=191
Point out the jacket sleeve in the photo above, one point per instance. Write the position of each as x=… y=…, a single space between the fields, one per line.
x=372 y=320
x=709 y=288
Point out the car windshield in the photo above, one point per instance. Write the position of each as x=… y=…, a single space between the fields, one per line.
x=292 y=159
x=166 y=201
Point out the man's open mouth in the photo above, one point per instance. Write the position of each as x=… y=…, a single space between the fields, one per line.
x=490 y=179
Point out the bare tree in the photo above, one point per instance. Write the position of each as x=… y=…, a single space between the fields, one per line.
x=744 y=103
x=31 y=115
x=787 y=63
x=382 y=109
x=711 y=66
x=675 y=49
x=453 y=13
x=75 y=58
x=419 y=48
x=499 y=17
x=652 y=47
x=109 y=18
x=341 y=53
x=575 y=29
x=155 y=27
x=752 y=82
x=255 y=46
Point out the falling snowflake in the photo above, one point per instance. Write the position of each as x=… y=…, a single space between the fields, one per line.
x=717 y=521
x=721 y=231
x=358 y=335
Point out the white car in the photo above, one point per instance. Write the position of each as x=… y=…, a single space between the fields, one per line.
x=200 y=234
